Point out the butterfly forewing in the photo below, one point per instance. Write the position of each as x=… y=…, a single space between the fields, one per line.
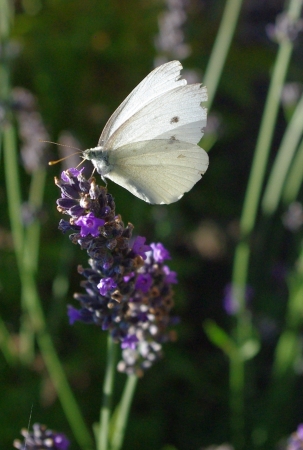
x=161 y=80
x=177 y=114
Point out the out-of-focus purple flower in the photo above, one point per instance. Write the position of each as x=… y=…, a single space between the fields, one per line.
x=293 y=217
x=139 y=247
x=130 y=342
x=89 y=225
x=106 y=284
x=170 y=39
x=160 y=254
x=285 y=28
x=61 y=442
x=290 y=94
x=42 y=438
x=279 y=272
x=295 y=441
x=32 y=130
x=230 y=301
x=143 y=282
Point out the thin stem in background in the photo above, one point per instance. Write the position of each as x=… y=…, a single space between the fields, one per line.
x=8 y=345
x=30 y=261
x=122 y=415
x=221 y=47
x=295 y=177
x=283 y=160
x=105 y=413
x=13 y=188
x=288 y=353
x=247 y=223
x=32 y=235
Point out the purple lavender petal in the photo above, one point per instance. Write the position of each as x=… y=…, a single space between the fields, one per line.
x=160 y=253
x=143 y=282
x=89 y=225
x=139 y=248
x=81 y=315
x=106 y=284
x=171 y=276
x=130 y=342
x=128 y=277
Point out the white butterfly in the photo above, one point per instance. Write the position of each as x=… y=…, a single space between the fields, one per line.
x=149 y=144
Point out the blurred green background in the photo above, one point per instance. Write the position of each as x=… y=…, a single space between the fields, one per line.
x=80 y=59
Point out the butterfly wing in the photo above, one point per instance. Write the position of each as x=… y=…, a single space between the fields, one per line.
x=161 y=80
x=158 y=171
x=176 y=114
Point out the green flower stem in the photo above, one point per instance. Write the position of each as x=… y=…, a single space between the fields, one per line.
x=283 y=160
x=123 y=412
x=13 y=188
x=6 y=18
x=236 y=381
x=7 y=345
x=31 y=298
x=248 y=218
x=105 y=413
x=295 y=177
x=221 y=47
x=32 y=236
x=8 y=141
x=30 y=261
x=285 y=354
x=65 y=394
x=288 y=351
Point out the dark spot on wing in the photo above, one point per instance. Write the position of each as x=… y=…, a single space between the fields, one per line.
x=174 y=119
x=181 y=156
x=172 y=140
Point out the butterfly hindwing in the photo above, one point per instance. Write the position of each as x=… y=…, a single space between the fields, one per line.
x=158 y=171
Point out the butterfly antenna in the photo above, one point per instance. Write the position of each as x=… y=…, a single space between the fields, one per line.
x=61 y=145
x=51 y=163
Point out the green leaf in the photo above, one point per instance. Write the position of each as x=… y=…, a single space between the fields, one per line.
x=219 y=338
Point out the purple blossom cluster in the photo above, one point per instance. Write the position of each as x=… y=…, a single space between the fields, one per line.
x=42 y=439
x=128 y=287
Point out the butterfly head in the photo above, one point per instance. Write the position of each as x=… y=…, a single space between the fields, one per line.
x=99 y=158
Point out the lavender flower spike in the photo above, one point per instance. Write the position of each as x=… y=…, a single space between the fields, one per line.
x=128 y=289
